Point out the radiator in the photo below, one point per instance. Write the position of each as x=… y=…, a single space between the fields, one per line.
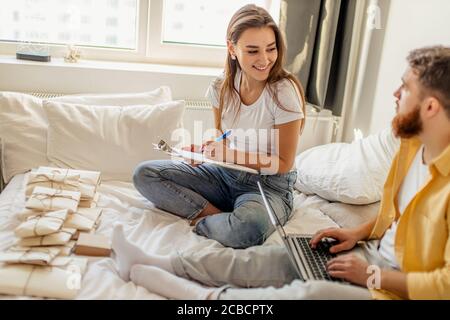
x=190 y=104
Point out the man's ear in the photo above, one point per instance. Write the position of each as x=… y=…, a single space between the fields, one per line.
x=432 y=107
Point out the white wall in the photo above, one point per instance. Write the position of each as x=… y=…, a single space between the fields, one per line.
x=405 y=25
x=409 y=24
x=103 y=77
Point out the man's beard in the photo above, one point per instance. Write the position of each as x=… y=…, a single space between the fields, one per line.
x=407 y=125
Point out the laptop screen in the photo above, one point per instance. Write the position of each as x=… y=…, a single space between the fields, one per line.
x=273 y=217
x=276 y=223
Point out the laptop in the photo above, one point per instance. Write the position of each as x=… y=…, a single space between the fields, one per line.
x=309 y=263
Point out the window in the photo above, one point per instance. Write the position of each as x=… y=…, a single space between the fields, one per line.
x=56 y=21
x=161 y=31
x=210 y=25
x=194 y=31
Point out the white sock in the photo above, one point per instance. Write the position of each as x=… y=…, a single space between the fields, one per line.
x=168 y=285
x=128 y=254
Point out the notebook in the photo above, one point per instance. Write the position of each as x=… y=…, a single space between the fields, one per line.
x=198 y=157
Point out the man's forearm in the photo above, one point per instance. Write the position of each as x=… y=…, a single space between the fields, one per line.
x=395 y=282
x=363 y=231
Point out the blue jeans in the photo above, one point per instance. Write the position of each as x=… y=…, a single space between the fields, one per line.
x=184 y=190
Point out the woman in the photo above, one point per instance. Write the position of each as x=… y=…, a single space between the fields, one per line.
x=263 y=106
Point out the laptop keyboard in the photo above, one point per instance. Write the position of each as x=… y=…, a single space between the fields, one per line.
x=317 y=258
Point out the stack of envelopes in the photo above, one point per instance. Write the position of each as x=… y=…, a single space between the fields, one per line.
x=60 y=203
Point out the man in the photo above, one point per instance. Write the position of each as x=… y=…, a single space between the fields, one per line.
x=414 y=219
x=413 y=225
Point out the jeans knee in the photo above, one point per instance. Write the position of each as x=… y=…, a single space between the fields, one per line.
x=145 y=172
x=234 y=233
x=252 y=233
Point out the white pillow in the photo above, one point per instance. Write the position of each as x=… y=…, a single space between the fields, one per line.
x=23 y=129
x=157 y=96
x=23 y=124
x=110 y=139
x=350 y=173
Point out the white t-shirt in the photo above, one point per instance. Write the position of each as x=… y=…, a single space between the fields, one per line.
x=413 y=182
x=251 y=131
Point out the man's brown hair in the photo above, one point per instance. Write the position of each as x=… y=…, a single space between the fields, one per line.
x=432 y=66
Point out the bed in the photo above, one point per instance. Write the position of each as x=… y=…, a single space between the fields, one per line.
x=152 y=229
x=319 y=201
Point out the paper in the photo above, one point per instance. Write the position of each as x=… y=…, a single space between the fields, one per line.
x=79 y=222
x=59 y=238
x=89 y=203
x=89 y=180
x=88 y=177
x=64 y=250
x=61 y=280
x=46 y=199
x=93 y=245
x=41 y=225
x=30 y=255
x=198 y=157
x=53 y=181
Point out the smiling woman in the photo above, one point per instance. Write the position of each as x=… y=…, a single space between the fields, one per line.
x=263 y=106
x=257 y=52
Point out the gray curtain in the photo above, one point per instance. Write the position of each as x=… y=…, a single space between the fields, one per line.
x=318 y=34
x=2 y=184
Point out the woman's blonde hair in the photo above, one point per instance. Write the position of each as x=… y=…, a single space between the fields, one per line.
x=252 y=16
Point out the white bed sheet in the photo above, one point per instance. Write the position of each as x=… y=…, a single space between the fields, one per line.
x=152 y=229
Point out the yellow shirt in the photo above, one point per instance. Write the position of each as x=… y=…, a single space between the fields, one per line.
x=422 y=242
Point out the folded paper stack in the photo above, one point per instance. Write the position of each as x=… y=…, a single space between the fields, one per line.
x=52 y=180
x=61 y=279
x=41 y=225
x=47 y=199
x=59 y=204
x=38 y=256
x=88 y=182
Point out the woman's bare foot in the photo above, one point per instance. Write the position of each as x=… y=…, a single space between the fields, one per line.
x=208 y=211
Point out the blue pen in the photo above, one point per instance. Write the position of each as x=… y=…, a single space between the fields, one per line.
x=223 y=136
x=226 y=134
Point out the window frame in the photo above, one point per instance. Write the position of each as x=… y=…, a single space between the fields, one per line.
x=149 y=49
x=178 y=53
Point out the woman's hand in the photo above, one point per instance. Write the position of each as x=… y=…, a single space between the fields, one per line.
x=193 y=148
x=218 y=151
x=347 y=238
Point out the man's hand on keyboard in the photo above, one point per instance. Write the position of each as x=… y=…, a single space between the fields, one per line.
x=347 y=238
x=350 y=268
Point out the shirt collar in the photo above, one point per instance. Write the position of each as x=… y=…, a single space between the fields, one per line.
x=442 y=162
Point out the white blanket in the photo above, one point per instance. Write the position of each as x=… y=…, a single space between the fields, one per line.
x=152 y=229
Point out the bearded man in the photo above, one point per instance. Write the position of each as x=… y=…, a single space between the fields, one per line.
x=413 y=224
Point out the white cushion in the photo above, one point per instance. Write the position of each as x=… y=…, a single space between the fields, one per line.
x=109 y=139
x=157 y=96
x=349 y=215
x=350 y=173
x=23 y=129
x=23 y=124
